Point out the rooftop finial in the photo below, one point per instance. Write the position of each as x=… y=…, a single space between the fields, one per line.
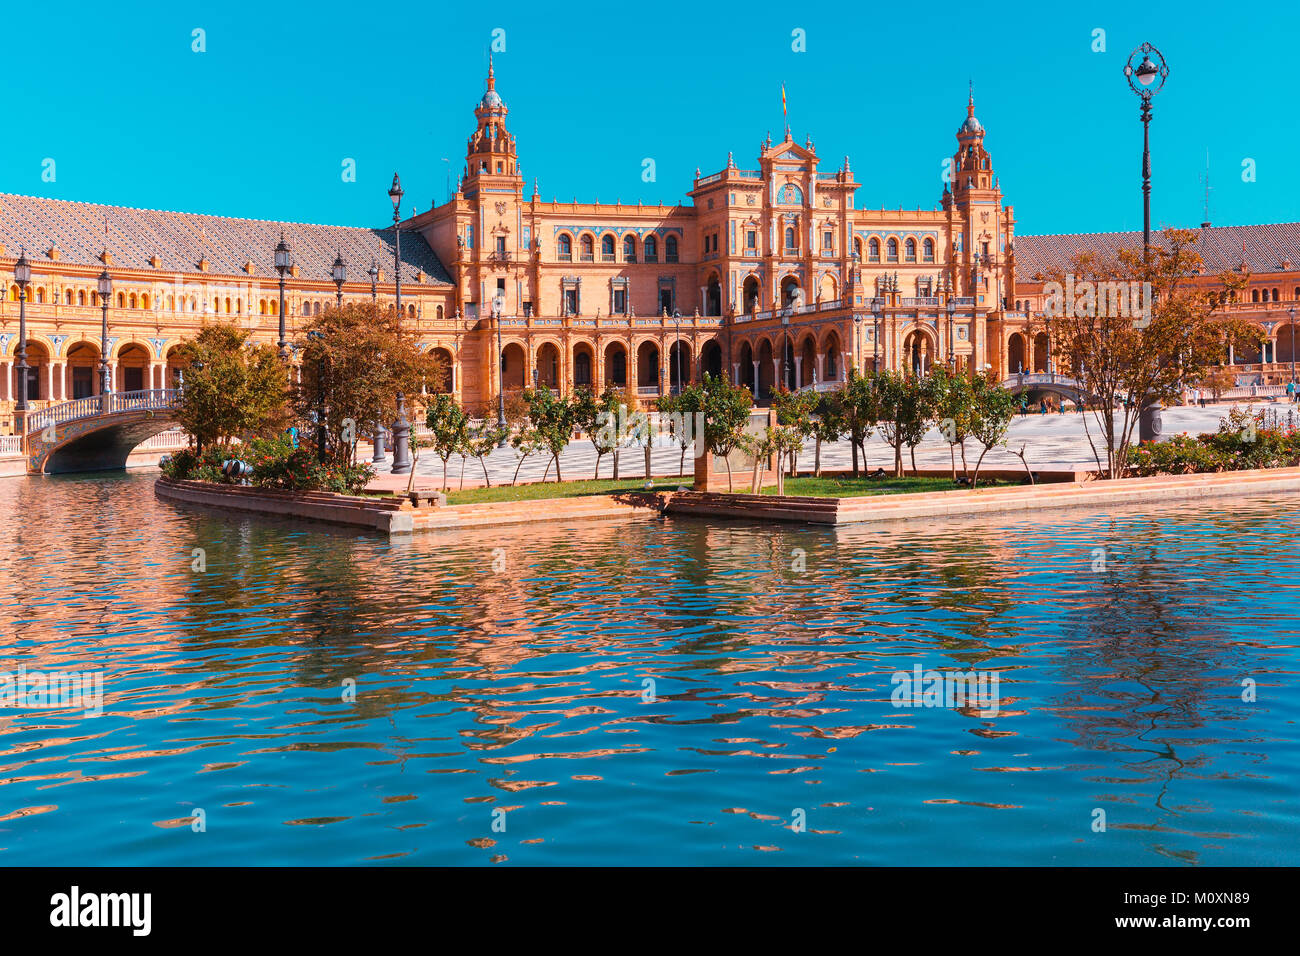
x=492 y=77
x=970 y=101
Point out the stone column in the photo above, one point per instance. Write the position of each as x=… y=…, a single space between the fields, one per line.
x=798 y=370
x=755 y=379
x=735 y=373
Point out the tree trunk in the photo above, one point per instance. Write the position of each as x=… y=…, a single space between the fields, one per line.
x=445 y=486
x=616 y=464
x=976 y=479
x=547 y=473
x=965 y=468
x=853 y=442
x=647 y=460
x=817 y=458
x=557 y=467
x=515 y=480
x=487 y=481
x=681 y=463
x=462 y=472
x=952 y=456
x=758 y=470
x=726 y=460
x=911 y=450
x=599 y=455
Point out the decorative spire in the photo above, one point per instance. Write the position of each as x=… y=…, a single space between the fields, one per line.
x=492 y=76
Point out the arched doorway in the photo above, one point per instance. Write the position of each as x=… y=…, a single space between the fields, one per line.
x=548 y=366
x=807 y=371
x=176 y=363
x=746 y=370
x=615 y=365
x=448 y=384
x=679 y=363
x=713 y=296
x=832 y=366
x=827 y=291
x=766 y=370
x=1287 y=333
x=1040 y=352
x=752 y=293
x=918 y=353
x=584 y=366
x=132 y=368
x=1016 y=354
x=711 y=358
x=37 y=360
x=512 y=366
x=82 y=376
x=790 y=291
x=647 y=365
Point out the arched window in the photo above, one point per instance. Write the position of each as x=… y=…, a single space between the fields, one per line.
x=439 y=313
x=789 y=238
x=1254 y=295
x=857 y=249
x=891 y=250
x=670 y=249
x=651 y=249
x=81 y=297
x=629 y=248
x=873 y=250
x=144 y=301
x=587 y=249
x=607 y=249
x=410 y=311
x=909 y=250
x=261 y=307
x=564 y=246
x=121 y=300
x=927 y=250
x=67 y=297
x=582 y=369
x=1275 y=291
x=227 y=306
x=275 y=307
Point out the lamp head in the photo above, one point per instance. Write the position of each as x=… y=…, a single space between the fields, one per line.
x=22 y=269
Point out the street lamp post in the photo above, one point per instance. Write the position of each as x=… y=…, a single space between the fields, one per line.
x=952 y=351
x=498 y=306
x=282 y=266
x=373 y=272
x=1291 y=313
x=23 y=276
x=876 y=305
x=401 y=427
x=104 y=286
x=339 y=272
x=1146 y=79
x=677 y=346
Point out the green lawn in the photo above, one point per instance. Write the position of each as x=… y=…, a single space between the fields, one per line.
x=857 y=487
x=551 y=489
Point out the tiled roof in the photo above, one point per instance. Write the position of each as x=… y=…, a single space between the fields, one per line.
x=180 y=240
x=1266 y=248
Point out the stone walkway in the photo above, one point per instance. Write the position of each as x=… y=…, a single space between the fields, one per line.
x=1051 y=440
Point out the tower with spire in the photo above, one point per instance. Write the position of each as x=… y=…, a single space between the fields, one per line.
x=491 y=161
x=977 y=220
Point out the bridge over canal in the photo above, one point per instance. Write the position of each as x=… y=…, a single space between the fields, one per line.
x=95 y=433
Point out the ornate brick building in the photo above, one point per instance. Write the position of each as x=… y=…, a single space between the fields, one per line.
x=760 y=265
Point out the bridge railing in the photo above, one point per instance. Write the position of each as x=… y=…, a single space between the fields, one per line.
x=104 y=404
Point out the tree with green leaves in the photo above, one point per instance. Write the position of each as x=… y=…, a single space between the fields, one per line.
x=795 y=410
x=479 y=441
x=953 y=401
x=726 y=409
x=992 y=410
x=597 y=418
x=860 y=409
x=232 y=390
x=550 y=417
x=680 y=410
x=355 y=362
x=449 y=426
x=828 y=425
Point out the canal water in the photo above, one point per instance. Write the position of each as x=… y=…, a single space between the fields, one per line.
x=662 y=691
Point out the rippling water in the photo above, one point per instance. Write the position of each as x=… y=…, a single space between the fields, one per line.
x=663 y=691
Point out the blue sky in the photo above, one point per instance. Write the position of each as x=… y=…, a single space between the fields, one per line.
x=259 y=125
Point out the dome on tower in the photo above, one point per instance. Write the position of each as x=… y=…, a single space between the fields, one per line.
x=492 y=100
x=971 y=126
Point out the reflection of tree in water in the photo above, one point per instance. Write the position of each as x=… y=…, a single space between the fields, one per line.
x=1146 y=662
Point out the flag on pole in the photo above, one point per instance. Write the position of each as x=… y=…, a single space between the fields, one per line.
x=784 y=114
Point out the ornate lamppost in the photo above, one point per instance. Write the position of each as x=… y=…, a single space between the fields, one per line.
x=282 y=266
x=877 y=304
x=401 y=427
x=498 y=306
x=1146 y=79
x=104 y=285
x=339 y=272
x=23 y=276
x=373 y=272
x=677 y=345
x=952 y=348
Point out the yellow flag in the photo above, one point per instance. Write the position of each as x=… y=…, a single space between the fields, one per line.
x=783 y=111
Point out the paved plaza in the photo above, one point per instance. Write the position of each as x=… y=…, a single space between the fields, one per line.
x=1052 y=441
